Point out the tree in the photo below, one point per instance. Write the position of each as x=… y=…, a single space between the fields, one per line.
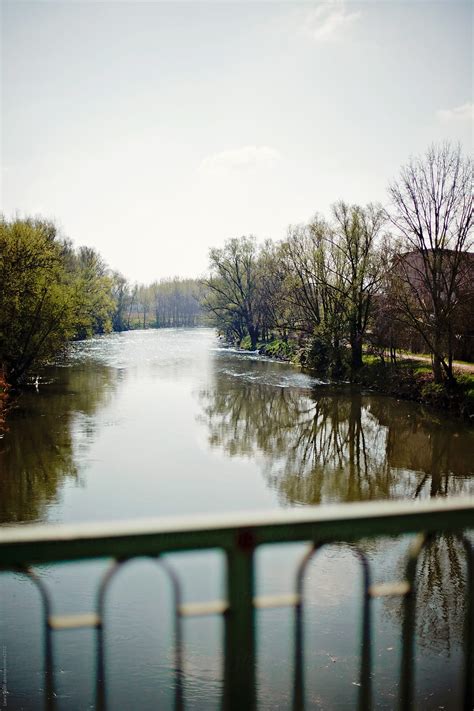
x=144 y=302
x=50 y=293
x=355 y=238
x=333 y=273
x=38 y=310
x=232 y=289
x=93 y=293
x=315 y=292
x=432 y=212
x=175 y=302
x=275 y=315
x=302 y=262
x=120 y=292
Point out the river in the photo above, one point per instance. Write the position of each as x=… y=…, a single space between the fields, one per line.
x=158 y=423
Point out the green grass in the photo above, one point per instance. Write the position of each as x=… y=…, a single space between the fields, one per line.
x=276 y=348
x=465 y=380
x=370 y=359
x=413 y=380
x=422 y=369
x=246 y=343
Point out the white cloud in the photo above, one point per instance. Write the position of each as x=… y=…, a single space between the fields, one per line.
x=243 y=158
x=465 y=112
x=328 y=20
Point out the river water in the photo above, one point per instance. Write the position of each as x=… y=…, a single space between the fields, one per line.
x=158 y=423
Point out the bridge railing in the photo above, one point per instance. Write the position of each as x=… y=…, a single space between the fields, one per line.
x=239 y=536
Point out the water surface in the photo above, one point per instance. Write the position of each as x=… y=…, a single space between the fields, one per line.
x=153 y=423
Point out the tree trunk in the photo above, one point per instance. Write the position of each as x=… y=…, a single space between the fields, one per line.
x=253 y=333
x=356 y=348
x=437 y=369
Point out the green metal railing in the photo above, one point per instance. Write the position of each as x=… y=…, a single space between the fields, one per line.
x=239 y=536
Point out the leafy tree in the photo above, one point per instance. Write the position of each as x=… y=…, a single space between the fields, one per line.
x=168 y=303
x=176 y=302
x=302 y=264
x=38 y=307
x=333 y=272
x=144 y=303
x=93 y=292
x=121 y=296
x=49 y=295
x=357 y=266
x=232 y=290
x=275 y=315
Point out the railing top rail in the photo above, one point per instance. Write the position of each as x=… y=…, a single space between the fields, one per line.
x=38 y=543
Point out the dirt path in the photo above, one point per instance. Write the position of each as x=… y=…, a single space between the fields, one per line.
x=465 y=367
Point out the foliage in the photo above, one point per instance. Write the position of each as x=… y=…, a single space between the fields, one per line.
x=37 y=296
x=319 y=354
x=52 y=293
x=232 y=293
x=332 y=272
x=318 y=283
x=356 y=231
x=331 y=289
x=49 y=294
x=93 y=292
x=276 y=348
x=175 y=302
x=423 y=370
x=121 y=294
x=169 y=303
x=433 y=393
x=339 y=286
x=280 y=349
x=411 y=381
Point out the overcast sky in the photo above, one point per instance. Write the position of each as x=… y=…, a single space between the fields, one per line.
x=155 y=130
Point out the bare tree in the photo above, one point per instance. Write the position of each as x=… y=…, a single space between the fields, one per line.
x=432 y=211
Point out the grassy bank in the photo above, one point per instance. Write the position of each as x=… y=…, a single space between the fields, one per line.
x=278 y=349
x=412 y=380
x=408 y=380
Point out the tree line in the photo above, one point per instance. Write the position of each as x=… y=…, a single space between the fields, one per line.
x=52 y=293
x=369 y=277
x=166 y=303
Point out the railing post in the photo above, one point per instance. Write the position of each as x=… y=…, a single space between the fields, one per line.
x=239 y=669
x=469 y=630
x=408 y=625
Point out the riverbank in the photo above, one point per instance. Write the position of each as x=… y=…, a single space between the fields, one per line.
x=413 y=380
x=408 y=379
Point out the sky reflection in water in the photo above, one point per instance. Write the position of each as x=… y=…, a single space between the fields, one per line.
x=169 y=422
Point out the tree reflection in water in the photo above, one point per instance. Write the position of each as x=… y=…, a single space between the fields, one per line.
x=441 y=592
x=441 y=585
x=326 y=445
x=340 y=445
x=39 y=451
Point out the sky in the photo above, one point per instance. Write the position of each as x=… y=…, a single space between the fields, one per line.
x=153 y=131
